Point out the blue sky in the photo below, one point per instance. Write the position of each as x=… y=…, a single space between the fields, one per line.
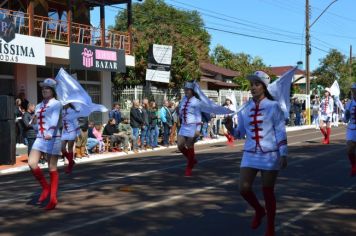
x=274 y=19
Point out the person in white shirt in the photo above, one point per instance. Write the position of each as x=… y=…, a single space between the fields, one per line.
x=350 y=119
x=262 y=123
x=326 y=110
x=191 y=121
x=48 y=142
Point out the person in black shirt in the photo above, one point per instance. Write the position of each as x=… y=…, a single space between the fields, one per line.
x=112 y=131
x=136 y=122
x=29 y=126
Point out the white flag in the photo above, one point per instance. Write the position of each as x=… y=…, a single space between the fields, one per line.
x=335 y=91
x=69 y=90
x=280 y=90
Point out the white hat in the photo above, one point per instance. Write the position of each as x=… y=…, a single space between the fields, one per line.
x=229 y=97
x=260 y=76
x=328 y=90
x=353 y=86
x=49 y=82
x=189 y=85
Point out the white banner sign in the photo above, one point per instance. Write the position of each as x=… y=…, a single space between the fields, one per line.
x=23 y=50
x=158 y=75
x=162 y=54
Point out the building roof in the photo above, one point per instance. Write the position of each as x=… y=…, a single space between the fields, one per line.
x=280 y=70
x=217 y=82
x=211 y=68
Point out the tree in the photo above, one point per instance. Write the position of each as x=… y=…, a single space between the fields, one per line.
x=155 y=22
x=244 y=63
x=334 y=66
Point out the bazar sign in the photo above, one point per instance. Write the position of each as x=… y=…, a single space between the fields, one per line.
x=23 y=49
x=87 y=57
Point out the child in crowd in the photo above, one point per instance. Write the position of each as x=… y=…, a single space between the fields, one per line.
x=98 y=133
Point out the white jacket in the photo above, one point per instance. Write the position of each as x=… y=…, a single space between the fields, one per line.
x=327 y=106
x=69 y=120
x=48 y=114
x=263 y=125
x=189 y=111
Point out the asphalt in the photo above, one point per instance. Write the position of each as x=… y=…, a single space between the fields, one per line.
x=149 y=195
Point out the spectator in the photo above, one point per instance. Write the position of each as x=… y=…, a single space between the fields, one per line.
x=97 y=132
x=145 y=142
x=153 y=125
x=82 y=139
x=92 y=141
x=24 y=101
x=19 y=123
x=173 y=136
x=29 y=121
x=136 y=122
x=167 y=121
x=315 y=111
x=298 y=111
x=125 y=133
x=205 y=118
x=115 y=113
x=112 y=131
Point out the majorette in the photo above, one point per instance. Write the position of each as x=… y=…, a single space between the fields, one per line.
x=326 y=111
x=70 y=130
x=262 y=123
x=48 y=142
x=350 y=119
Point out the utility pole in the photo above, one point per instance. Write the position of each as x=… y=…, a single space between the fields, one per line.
x=350 y=68
x=307 y=54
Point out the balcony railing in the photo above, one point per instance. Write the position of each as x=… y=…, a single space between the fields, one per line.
x=56 y=31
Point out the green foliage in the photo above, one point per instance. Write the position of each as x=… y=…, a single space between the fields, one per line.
x=334 y=66
x=155 y=22
x=245 y=64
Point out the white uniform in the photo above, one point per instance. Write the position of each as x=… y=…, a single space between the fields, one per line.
x=48 y=114
x=263 y=125
x=190 y=114
x=326 y=109
x=351 y=123
x=70 y=125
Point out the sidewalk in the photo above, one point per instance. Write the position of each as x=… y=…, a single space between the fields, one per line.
x=21 y=161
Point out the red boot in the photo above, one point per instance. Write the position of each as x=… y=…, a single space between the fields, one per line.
x=352 y=159
x=270 y=201
x=71 y=162
x=230 y=138
x=45 y=186
x=191 y=161
x=328 y=132
x=260 y=212
x=324 y=134
x=54 y=188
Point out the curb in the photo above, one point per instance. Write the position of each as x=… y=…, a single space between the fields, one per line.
x=130 y=155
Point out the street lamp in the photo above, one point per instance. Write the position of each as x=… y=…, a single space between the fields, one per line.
x=308 y=50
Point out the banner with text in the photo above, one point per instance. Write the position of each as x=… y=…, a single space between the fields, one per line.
x=87 y=57
x=159 y=63
x=23 y=49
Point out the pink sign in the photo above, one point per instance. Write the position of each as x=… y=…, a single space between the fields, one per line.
x=87 y=58
x=105 y=55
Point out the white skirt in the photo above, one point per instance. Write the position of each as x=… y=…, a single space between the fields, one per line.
x=326 y=118
x=188 y=130
x=52 y=147
x=261 y=161
x=69 y=136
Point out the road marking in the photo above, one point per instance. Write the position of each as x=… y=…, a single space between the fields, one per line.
x=141 y=206
x=314 y=208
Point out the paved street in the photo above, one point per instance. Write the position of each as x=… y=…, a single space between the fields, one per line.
x=149 y=195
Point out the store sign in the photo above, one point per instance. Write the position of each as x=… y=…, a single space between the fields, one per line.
x=23 y=49
x=159 y=63
x=86 y=57
x=7 y=29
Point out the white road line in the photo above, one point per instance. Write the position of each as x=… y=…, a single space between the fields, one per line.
x=141 y=206
x=315 y=207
